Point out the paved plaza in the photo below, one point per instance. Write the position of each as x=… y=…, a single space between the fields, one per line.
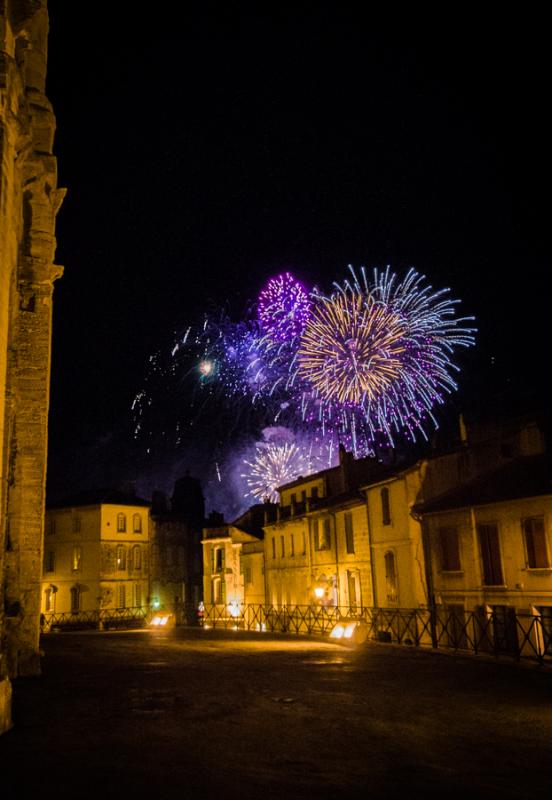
x=209 y=714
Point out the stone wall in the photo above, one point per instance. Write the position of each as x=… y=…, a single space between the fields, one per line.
x=29 y=201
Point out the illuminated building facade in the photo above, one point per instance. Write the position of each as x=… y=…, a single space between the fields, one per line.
x=233 y=559
x=490 y=544
x=365 y=534
x=29 y=202
x=317 y=550
x=395 y=537
x=96 y=554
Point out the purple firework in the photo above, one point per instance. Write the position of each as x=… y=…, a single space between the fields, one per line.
x=284 y=308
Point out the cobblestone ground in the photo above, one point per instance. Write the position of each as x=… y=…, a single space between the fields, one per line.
x=203 y=714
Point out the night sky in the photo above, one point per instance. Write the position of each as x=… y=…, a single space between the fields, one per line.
x=204 y=154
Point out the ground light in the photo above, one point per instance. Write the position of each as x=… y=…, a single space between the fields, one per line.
x=343 y=630
x=162 y=620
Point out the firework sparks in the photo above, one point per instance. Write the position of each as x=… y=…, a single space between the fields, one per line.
x=284 y=308
x=376 y=355
x=352 y=348
x=272 y=466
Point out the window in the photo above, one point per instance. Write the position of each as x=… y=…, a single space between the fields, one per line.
x=50 y=561
x=303 y=495
x=282 y=546
x=77 y=557
x=490 y=554
x=391 y=577
x=273 y=547
x=349 y=533
x=304 y=539
x=137 y=557
x=385 y=509
x=52 y=525
x=247 y=575
x=76 y=524
x=75 y=599
x=292 y=546
x=217 y=564
x=293 y=499
x=137 y=595
x=352 y=588
x=218 y=591
x=322 y=534
x=450 y=549
x=314 y=492
x=48 y=599
x=137 y=523
x=121 y=596
x=121 y=523
x=535 y=543
x=121 y=558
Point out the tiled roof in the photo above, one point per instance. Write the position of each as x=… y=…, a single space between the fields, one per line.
x=96 y=497
x=524 y=477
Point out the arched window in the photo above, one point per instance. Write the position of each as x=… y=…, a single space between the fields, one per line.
x=385 y=509
x=121 y=523
x=391 y=577
x=137 y=523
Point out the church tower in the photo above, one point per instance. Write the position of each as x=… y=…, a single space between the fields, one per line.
x=29 y=202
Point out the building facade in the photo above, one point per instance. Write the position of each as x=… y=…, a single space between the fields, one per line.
x=316 y=550
x=29 y=202
x=96 y=555
x=490 y=547
x=233 y=561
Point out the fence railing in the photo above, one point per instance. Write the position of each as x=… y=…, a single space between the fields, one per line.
x=519 y=636
x=102 y=619
x=483 y=631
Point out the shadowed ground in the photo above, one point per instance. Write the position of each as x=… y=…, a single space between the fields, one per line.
x=201 y=714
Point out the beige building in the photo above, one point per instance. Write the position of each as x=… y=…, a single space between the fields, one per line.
x=490 y=544
x=395 y=538
x=29 y=202
x=96 y=555
x=316 y=542
x=233 y=555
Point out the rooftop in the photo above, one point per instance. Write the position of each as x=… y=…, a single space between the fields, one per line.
x=524 y=477
x=97 y=497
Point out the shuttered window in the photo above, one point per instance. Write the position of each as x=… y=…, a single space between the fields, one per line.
x=535 y=543
x=450 y=549
x=490 y=554
x=349 y=533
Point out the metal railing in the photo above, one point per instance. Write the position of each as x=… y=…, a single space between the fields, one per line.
x=100 y=619
x=518 y=636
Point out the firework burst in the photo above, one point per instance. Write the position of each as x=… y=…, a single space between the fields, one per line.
x=284 y=308
x=375 y=355
x=272 y=466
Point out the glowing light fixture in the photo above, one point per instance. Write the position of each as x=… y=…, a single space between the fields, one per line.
x=234 y=609
x=159 y=621
x=343 y=631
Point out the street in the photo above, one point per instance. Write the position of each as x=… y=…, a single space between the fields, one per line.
x=201 y=714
